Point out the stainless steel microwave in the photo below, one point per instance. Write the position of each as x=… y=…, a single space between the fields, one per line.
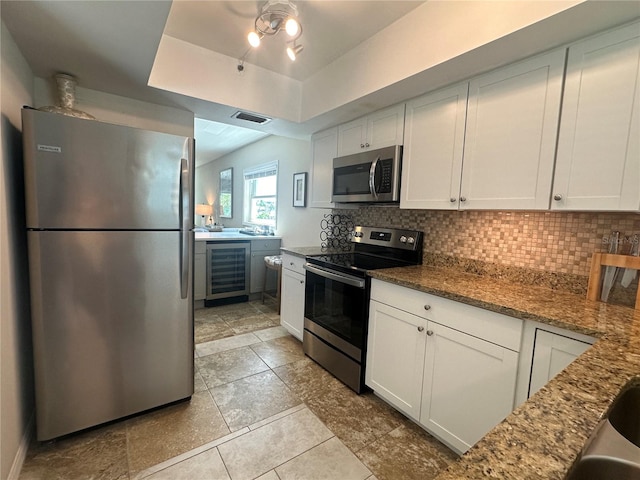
x=368 y=177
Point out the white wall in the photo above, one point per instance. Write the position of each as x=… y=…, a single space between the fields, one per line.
x=296 y=225
x=18 y=88
x=120 y=110
x=16 y=370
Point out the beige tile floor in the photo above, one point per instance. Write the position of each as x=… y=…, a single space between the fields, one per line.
x=261 y=410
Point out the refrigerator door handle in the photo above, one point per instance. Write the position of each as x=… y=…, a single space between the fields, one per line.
x=185 y=244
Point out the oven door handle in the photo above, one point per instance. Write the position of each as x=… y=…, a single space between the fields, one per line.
x=338 y=277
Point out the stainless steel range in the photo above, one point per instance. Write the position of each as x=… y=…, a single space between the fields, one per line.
x=337 y=290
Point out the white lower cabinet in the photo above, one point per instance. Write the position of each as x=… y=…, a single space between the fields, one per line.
x=395 y=357
x=552 y=353
x=546 y=351
x=468 y=386
x=292 y=291
x=455 y=377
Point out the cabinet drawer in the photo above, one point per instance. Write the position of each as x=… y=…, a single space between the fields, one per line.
x=200 y=247
x=293 y=262
x=490 y=326
x=261 y=245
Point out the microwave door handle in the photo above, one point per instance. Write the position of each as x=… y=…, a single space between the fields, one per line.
x=372 y=177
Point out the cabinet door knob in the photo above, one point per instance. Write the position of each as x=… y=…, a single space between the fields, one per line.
x=291 y=263
x=463 y=199
x=429 y=332
x=362 y=145
x=427 y=307
x=557 y=197
x=301 y=281
x=366 y=145
x=421 y=329
x=453 y=199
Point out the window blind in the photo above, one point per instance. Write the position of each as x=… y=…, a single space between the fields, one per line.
x=260 y=171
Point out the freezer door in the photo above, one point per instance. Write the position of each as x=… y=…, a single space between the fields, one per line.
x=85 y=174
x=112 y=335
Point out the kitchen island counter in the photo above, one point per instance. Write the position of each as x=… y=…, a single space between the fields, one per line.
x=543 y=436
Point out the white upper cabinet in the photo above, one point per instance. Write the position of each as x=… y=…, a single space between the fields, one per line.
x=510 y=138
x=324 y=148
x=485 y=144
x=380 y=129
x=598 y=163
x=432 y=156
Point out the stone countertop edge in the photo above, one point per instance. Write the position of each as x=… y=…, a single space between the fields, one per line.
x=542 y=438
x=303 y=251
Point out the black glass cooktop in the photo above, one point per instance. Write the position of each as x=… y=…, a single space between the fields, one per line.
x=356 y=262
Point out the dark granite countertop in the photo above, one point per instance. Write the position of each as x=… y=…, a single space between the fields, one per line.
x=541 y=438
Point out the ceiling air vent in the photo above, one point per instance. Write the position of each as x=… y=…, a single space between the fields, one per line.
x=250 y=117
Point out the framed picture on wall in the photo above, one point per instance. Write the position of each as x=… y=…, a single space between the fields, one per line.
x=300 y=189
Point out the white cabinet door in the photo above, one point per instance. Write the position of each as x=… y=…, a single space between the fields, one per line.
x=380 y=129
x=385 y=128
x=510 y=138
x=352 y=137
x=432 y=156
x=551 y=354
x=324 y=148
x=395 y=356
x=598 y=164
x=469 y=386
x=292 y=302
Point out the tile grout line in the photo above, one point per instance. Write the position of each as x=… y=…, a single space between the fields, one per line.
x=255 y=426
x=215 y=443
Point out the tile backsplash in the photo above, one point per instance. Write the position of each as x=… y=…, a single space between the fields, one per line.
x=557 y=243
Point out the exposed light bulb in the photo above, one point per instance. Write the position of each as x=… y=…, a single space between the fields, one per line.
x=293 y=51
x=292 y=27
x=254 y=39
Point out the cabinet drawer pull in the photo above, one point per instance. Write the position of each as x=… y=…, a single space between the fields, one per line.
x=421 y=329
x=429 y=332
x=427 y=307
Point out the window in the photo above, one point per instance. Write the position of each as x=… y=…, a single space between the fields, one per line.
x=260 y=194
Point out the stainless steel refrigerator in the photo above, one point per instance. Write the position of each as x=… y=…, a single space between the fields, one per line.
x=110 y=238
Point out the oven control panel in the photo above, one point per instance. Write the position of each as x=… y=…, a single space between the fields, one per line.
x=389 y=237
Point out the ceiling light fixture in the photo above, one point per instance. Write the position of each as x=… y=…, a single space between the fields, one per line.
x=294 y=50
x=277 y=15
